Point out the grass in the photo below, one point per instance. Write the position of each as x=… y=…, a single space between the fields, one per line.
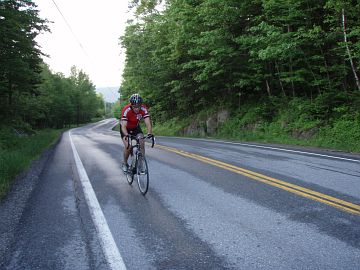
x=342 y=133
x=288 y=127
x=17 y=152
x=170 y=128
x=323 y=139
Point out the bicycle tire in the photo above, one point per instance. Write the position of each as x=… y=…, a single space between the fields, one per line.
x=130 y=174
x=142 y=174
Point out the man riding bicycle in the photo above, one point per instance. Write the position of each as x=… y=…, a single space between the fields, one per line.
x=131 y=115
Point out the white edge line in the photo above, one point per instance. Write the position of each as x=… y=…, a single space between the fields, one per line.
x=107 y=241
x=272 y=148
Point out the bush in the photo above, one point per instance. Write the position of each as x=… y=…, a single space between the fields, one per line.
x=343 y=133
x=171 y=127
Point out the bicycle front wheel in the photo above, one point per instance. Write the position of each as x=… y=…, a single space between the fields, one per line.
x=142 y=174
x=130 y=174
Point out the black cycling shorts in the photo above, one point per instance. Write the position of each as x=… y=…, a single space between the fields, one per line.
x=134 y=131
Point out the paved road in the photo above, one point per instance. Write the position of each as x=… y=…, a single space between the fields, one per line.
x=211 y=205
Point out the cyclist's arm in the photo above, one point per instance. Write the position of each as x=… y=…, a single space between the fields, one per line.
x=148 y=124
x=123 y=127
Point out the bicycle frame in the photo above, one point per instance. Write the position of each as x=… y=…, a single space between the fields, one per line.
x=134 y=142
x=137 y=158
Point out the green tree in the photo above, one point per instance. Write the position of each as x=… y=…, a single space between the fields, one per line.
x=64 y=101
x=55 y=97
x=344 y=21
x=83 y=95
x=201 y=53
x=20 y=56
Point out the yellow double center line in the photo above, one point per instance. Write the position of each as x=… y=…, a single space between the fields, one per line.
x=304 y=192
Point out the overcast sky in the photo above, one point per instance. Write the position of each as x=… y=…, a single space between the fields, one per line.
x=92 y=44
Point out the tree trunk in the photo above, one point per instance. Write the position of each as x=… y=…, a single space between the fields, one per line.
x=348 y=50
x=312 y=73
x=291 y=68
x=326 y=68
x=268 y=88
x=281 y=84
x=10 y=91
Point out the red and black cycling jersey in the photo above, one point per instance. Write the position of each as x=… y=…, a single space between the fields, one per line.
x=133 y=118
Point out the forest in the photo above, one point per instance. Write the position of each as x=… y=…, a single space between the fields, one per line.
x=31 y=95
x=285 y=71
x=291 y=62
x=286 y=67
x=36 y=104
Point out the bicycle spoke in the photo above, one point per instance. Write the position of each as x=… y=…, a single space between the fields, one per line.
x=142 y=175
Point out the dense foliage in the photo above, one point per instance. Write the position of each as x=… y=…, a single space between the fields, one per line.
x=197 y=54
x=65 y=101
x=32 y=97
x=20 y=56
x=30 y=94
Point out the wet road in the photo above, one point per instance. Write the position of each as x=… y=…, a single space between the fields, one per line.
x=215 y=205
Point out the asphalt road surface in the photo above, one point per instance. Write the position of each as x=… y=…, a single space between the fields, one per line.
x=211 y=205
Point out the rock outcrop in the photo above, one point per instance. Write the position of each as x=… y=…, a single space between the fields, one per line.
x=206 y=127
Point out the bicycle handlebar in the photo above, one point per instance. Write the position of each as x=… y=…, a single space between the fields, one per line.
x=130 y=137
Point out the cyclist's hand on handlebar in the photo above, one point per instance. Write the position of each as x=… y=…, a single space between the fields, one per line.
x=151 y=136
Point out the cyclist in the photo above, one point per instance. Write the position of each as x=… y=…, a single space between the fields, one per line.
x=131 y=115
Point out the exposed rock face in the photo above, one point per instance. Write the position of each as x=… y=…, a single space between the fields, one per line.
x=211 y=124
x=195 y=129
x=222 y=116
x=214 y=121
x=208 y=127
x=304 y=134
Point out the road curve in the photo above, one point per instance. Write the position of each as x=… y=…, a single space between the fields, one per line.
x=200 y=216
x=211 y=205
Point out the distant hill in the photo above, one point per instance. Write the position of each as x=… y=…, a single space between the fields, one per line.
x=110 y=93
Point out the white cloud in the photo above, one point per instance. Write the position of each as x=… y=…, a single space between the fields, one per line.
x=94 y=44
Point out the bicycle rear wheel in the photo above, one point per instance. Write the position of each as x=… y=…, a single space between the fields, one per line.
x=142 y=174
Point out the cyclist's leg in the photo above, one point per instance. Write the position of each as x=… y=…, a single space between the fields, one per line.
x=139 y=134
x=142 y=143
x=126 y=150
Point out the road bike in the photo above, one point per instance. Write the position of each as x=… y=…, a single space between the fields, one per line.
x=138 y=166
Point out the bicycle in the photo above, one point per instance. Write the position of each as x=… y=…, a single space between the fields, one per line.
x=138 y=165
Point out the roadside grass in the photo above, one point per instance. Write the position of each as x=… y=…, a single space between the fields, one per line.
x=172 y=127
x=289 y=128
x=328 y=137
x=17 y=152
x=117 y=128
x=297 y=122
